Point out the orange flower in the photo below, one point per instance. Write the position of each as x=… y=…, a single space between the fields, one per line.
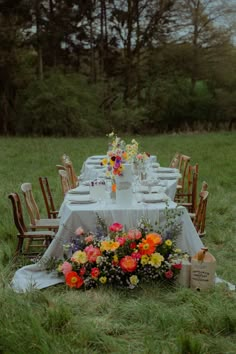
x=155 y=238
x=128 y=264
x=73 y=280
x=147 y=247
x=124 y=155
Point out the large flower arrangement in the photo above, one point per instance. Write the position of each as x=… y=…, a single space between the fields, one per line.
x=120 y=258
x=119 y=152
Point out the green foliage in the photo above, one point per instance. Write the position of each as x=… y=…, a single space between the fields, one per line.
x=60 y=105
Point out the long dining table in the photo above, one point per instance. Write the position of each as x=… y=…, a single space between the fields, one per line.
x=80 y=210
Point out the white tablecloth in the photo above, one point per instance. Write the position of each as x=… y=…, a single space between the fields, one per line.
x=85 y=215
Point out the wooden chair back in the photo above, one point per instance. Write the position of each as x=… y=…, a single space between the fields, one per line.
x=31 y=204
x=17 y=212
x=47 y=196
x=175 y=161
x=60 y=167
x=189 y=198
x=183 y=166
x=65 y=183
x=199 y=220
x=71 y=174
x=43 y=238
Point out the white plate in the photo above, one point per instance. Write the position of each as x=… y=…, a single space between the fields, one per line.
x=97 y=157
x=168 y=175
x=88 y=201
x=95 y=162
x=80 y=190
x=154 y=189
x=155 y=198
x=166 y=170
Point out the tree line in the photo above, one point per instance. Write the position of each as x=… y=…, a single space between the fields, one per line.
x=77 y=67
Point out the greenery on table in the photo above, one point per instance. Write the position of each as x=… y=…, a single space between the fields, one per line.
x=152 y=319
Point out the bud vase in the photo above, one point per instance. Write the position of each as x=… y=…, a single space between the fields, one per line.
x=124 y=193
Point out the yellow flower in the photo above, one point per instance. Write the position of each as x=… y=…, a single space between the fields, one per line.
x=156 y=259
x=59 y=268
x=115 y=258
x=109 y=245
x=103 y=280
x=177 y=250
x=104 y=161
x=168 y=243
x=79 y=257
x=133 y=279
x=144 y=259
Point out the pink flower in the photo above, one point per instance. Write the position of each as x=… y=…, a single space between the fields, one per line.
x=66 y=268
x=136 y=255
x=79 y=231
x=134 y=234
x=92 y=253
x=121 y=240
x=139 y=156
x=89 y=239
x=116 y=227
x=169 y=274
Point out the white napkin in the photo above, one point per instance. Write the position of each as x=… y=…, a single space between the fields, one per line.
x=155 y=198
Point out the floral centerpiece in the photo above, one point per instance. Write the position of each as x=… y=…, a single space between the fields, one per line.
x=119 y=153
x=120 y=258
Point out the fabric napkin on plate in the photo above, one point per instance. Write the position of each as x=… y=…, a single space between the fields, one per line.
x=168 y=175
x=79 y=190
x=154 y=189
x=155 y=198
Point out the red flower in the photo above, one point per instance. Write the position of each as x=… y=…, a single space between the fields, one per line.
x=73 y=280
x=95 y=272
x=169 y=274
x=116 y=227
x=128 y=264
x=132 y=245
x=177 y=265
x=82 y=271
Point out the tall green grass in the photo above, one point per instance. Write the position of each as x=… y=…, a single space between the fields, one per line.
x=151 y=319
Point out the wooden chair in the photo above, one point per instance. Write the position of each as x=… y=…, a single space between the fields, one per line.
x=37 y=240
x=48 y=199
x=71 y=174
x=189 y=198
x=65 y=183
x=60 y=167
x=175 y=161
x=36 y=222
x=183 y=165
x=199 y=218
x=67 y=163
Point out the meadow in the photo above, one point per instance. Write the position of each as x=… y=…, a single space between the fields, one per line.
x=156 y=318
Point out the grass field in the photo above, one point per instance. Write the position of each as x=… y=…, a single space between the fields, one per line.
x=151 y=319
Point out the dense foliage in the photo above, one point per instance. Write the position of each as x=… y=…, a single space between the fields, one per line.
x=84 y=67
